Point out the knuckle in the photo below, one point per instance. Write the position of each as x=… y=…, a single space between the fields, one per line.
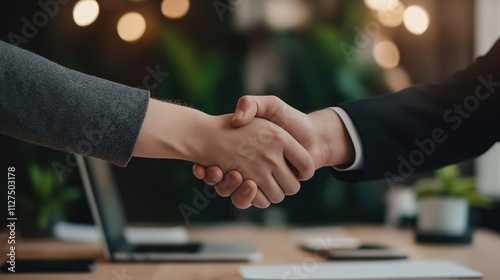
x=274 y=99
x=222 y=191
x=270 y=159
x=262 y=205
x=306 y=168
x=279 y=136
x=293 y=189
x=233 y=179
x=277 y=198
x=239 y=204
x=244 y=100
x=209 y=182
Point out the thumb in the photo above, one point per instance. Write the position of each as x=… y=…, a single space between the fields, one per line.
x=245 y=111
x=267 y=107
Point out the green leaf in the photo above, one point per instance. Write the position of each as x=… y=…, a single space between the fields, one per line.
x=25 y=202
x=69 y=194
x=35 y=176
x=43 y=217
x=477 y=200
x=46 y=185
x=449 y=183
x=198 y=74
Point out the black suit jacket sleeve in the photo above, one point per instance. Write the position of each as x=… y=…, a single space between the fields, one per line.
x=425 y=127
x=44 y=103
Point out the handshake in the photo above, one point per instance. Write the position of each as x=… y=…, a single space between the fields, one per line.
x=281 y=146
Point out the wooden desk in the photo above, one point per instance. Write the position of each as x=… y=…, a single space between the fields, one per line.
x=274 y=243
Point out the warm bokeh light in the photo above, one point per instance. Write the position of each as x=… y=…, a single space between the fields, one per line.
x=379 y=5
x=393 y=15
x=131 y=27
x=416 y=19
x=85 y=12
x=386 y=54
x=286 y=14
x=397 y=79
x=174 y=8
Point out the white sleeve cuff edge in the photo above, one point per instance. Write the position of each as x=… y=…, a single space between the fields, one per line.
x=356 y=141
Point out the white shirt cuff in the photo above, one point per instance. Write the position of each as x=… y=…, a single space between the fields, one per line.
x=356 y=141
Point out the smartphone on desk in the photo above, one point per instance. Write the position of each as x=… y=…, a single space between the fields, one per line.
x=49 y=266
x=367 y=253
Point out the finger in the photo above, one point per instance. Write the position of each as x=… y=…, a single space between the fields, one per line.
x=286 y=179
x=260 y=200
x=199 y=171
x=267 y=107
x=245 y=111
x=232 y=180
x=242 y=198
x=299 y=158
x=271 y=189
x=213 y=175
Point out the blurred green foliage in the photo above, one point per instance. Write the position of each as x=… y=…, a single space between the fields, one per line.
x=449 y=183
x=49 y=198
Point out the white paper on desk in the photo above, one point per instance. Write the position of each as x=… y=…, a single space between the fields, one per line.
x=135 y=235
x=361 y=271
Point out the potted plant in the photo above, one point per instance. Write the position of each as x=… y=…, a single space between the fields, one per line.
x=47 y=202
x=443 y=204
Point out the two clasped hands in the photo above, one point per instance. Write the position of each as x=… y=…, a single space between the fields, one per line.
x=286 y=147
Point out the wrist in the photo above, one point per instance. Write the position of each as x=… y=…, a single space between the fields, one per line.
x=189 y=138
x=171 y=131
x=333 y=138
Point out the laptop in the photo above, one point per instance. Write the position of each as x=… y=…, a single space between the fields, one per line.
x=109 y=216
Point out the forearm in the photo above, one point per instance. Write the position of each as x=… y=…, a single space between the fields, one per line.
x=44 y=103
x=425 y=127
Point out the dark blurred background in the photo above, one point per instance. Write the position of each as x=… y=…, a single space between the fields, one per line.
x=312 y=54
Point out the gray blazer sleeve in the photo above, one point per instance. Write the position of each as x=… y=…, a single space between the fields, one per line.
x=46 y=104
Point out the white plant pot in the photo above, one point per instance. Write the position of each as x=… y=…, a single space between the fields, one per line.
x=443 y=215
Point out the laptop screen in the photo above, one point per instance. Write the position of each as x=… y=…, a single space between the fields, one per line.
x=101 y=188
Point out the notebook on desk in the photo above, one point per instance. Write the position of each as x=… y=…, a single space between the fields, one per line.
x=387 y=270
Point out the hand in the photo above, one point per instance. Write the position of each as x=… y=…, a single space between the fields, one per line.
x=261 y=152
x=322 y=133
x=258 y=152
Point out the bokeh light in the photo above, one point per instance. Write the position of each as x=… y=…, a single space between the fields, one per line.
x=416 y=19
x=174 y=8
x=379 y=5
x=85 y=12
x=131 y=26
x=386 y=54
x=397 y=79
x=393 y=15
x=284 y=15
